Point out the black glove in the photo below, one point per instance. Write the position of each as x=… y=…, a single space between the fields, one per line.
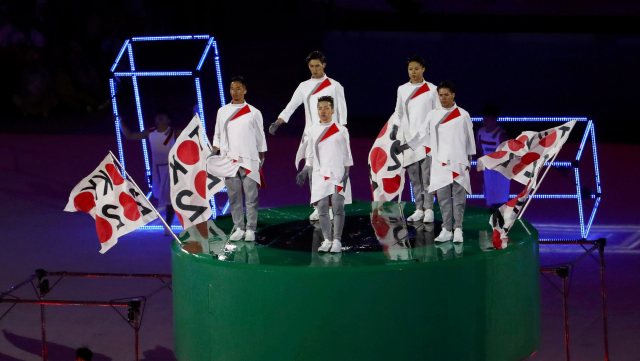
x=394 y=132
x=303 y=174
x=274 y=127
x=397 y=148
x=345 y=177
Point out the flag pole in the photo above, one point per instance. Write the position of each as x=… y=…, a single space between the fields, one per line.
x=533 y=192
x=149 y=203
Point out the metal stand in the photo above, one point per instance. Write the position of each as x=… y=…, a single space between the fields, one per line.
x=42 y=287
x=564 y=272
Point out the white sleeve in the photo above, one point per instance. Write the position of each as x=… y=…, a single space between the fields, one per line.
x=341 y=105
x=294 y=103
x=348 y=150
x=307 y=145
x=399 y=108
x=215 y=142
x=471 y=143
x=261 y=141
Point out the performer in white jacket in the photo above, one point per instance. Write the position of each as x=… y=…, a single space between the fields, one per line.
x=415 y=100
x=329 y=159
x=308 y=93
x=452 y=145
x=239 y=136
x=162 y=137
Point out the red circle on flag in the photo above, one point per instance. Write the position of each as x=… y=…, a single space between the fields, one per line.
x=380 y=226
x=113 y=173
x=515 y=145
x=377 y=159
x=530 y=157
x=188 y=152
x=200 y=182
x=383 y=130
x=497 y=155
x=84 y=202
x=103 y=228
x=522 y=139
x=549 y=139
x=129 y=206
x=391 y=185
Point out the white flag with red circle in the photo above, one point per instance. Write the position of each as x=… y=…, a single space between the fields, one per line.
x=112 y=201
x=386 y=174
x=191 y=185
x=521 y=159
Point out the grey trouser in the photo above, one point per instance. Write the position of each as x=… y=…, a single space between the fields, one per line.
x=452 y=200
x=419 y=173
x=236 y=186
x=337 y=203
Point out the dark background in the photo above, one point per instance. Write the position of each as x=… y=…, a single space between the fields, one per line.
x=529 y=57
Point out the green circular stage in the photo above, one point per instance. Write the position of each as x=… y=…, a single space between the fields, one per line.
x=393 y=294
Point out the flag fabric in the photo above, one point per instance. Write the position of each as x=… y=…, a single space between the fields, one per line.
x=390 y=229
x=113 y=201
x=386 y=174
x=521 y=159
x=191 y=185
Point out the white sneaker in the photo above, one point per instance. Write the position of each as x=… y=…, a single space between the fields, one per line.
x=237 y=235
x=444 y=236
x=457 y=236
x=428 y=216
x=249 y=235
x=336 y=246
x=330 y=214
x=314 y=216
x=325 y=246
x=416 y=216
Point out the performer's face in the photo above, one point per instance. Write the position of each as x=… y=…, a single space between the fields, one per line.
x=325 y=111
x=446 y=97
x=316 y=68
x=238 y=92
x=162 y=121
x=416 y=72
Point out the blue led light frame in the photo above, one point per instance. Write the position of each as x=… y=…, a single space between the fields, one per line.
x=588 y=135
x=210 y=47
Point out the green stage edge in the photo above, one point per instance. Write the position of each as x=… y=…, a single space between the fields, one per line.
x=282 y=305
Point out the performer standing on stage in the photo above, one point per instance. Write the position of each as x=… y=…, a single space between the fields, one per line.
x=308 y=93
x=415 y=100
x=452 y=145
x=161 y=139
x=495 y=185
x=239 y=135
x=329 y=158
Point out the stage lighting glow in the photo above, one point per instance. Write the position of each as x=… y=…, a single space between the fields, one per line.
x=170 y=37
x=153 y=73
x=134 y=73
x=534 y=119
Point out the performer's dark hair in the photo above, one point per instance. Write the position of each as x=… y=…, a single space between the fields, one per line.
x=163 y=110
x=417 y=59
x=84 y=353
x=490 y=110
x=448 y=85
x=316 y=55
x=326 y=98
x=240 y=79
